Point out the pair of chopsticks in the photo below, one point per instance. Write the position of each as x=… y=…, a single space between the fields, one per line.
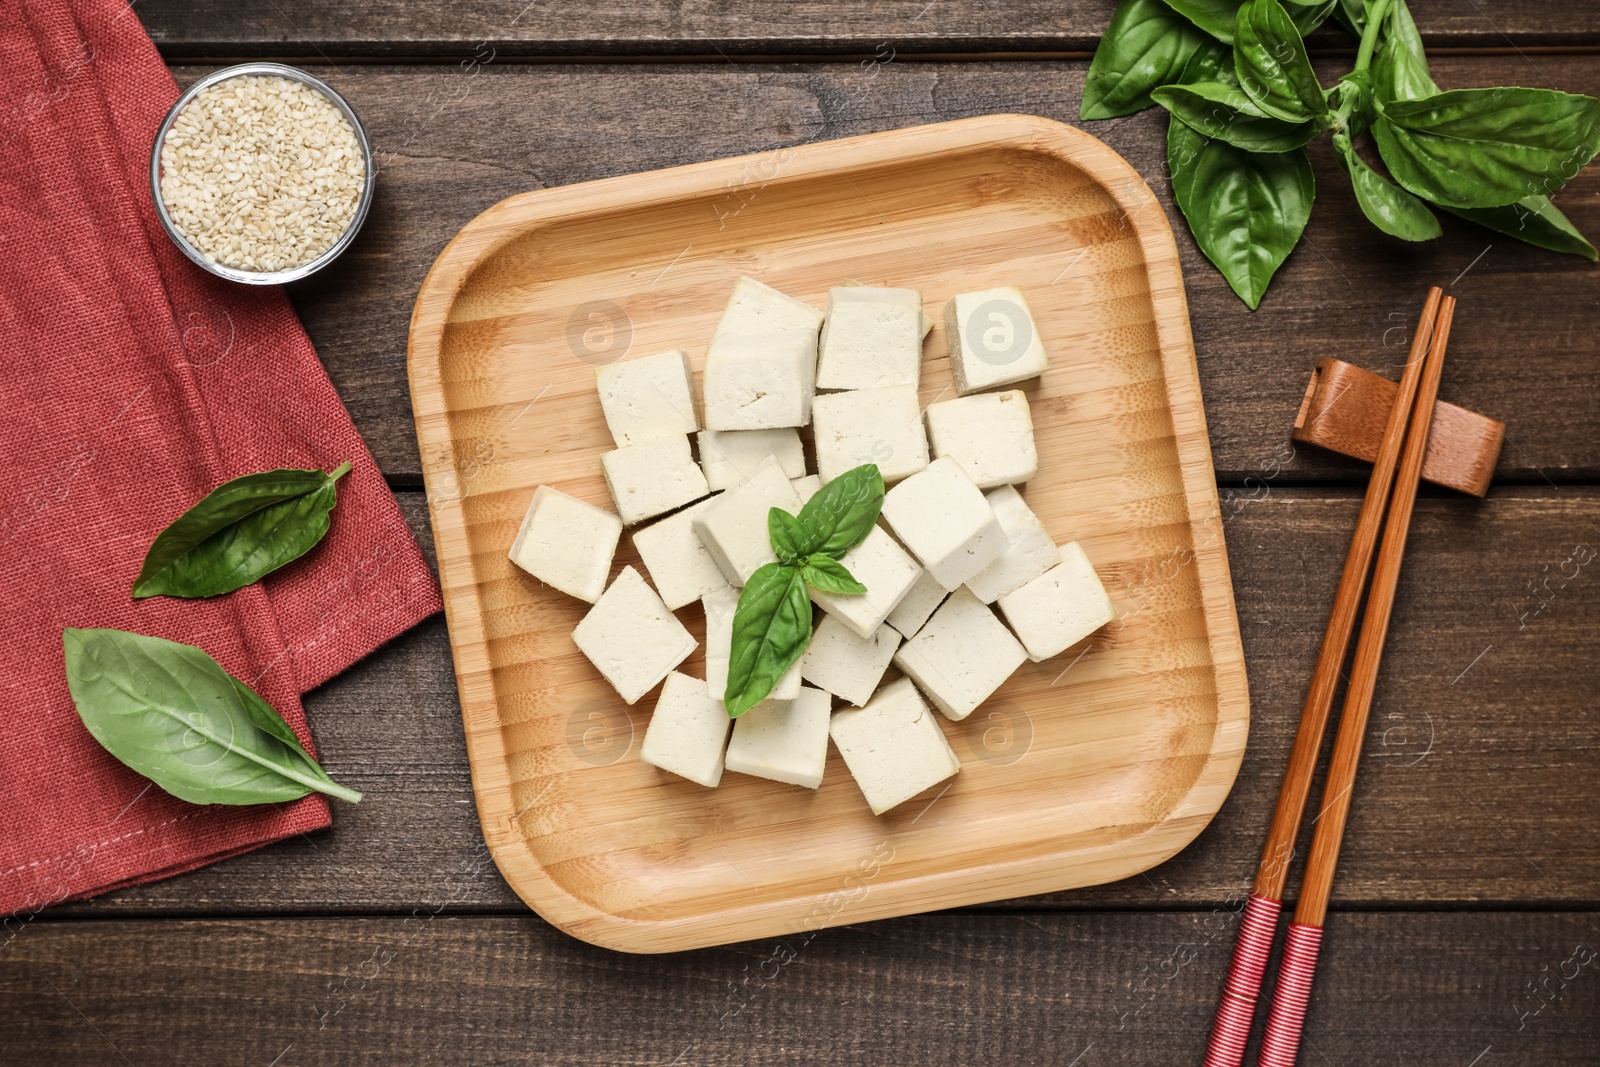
x=1404 y=446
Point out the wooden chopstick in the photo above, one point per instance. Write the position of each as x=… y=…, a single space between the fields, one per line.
x=1297 y=969
x=1236 y=1011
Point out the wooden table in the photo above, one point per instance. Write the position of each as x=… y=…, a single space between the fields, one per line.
x=1464 y=928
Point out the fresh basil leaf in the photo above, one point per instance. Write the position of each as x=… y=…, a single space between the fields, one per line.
x=1474 y=148
x=1533 y=219
x=1224 y=112
x=1246 y=210
x=1270 y=59
x=170 y=712
x=842 y=512
x=787 y=535
x=771 y=628
x=1400 y=71
x=1352 y=15
x=240 y=532
x=828 y=575
x=1216 y=17
x=1389 y=207
x=1307 y=15
x=1146 y=45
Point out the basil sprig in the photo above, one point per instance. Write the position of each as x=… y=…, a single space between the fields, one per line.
x=1244 y=101
x=772 y=624
x=170 y=712
x=240 y=532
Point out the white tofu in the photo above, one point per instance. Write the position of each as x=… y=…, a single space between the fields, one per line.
x=719 y=608
x=893 y=746
x=844 y=663
x=882 y=426
x=1059 y=608
x=942 y=517
x=885 y=569
x=990 y=435
x=644 y=399
x=728 y=456
x=993 y=339
x=806 y=487
x=566 y=543
x=631 y=637
x=784 y=740
x=734 y=527
x=1032 y=552
x=757 y=308
x=927 y=323
x=677 y=561
x=871 y=337
x=652 y=478
x=758 y=381
x=687 y=731
x=914 y=609
x=961 y=656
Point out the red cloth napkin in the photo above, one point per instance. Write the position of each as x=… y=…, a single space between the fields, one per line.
x=131 y=384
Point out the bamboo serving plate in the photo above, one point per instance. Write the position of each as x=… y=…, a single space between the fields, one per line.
x=1083 y=769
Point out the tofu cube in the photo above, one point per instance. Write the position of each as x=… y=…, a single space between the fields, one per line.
x=1032 y=552
x=677 y=561
x=784 y=740
x=566 y=543
x=644 y=399
x=882 y=426
x=914 y=609
x=893 y=746
x=990 y=435
x=842 y=662
x=720 y=607
x=961 y=656
x=1059 y=608
x=885 y=569
x=942 y=517
x=757 y=308
x=871 y=337
x=757 y=381
x=652 y=478
x=728 y=456
x=806 y=487
x=734 y=527
x=687 y=731
x=993 y=339
x=631 y=637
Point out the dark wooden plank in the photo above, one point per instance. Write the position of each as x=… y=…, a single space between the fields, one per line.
x=734 y=27
x=1479 y=786
x=1451 y=990
x=1524 y=350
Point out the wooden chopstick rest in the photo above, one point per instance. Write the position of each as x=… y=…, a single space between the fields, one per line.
x=1346 y=408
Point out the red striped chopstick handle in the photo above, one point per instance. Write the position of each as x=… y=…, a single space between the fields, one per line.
x=1295 y=973
x=1231 y=1032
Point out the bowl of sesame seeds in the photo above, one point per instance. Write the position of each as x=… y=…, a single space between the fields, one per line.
x=261 y=173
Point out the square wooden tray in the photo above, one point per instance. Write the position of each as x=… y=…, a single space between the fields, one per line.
x=1080 y=770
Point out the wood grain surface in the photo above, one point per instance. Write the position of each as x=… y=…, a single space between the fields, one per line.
x=455 y=144
x=718 y=28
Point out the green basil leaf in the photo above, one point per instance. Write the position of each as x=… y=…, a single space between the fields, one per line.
x=1533 y=219
x=1307 y=15
x=240 y=532
x=1246 y=210
x=1400 y=71
x=1389 y=207
x=1271 y=62
x=1352 y=15
x=1475 y=148
x=828 y=575
x=1146 y=45
x=842 y=512
x=170 y=712
x=787 y=535
x=771 y=628
x=1216 y=17
x=1224 y=112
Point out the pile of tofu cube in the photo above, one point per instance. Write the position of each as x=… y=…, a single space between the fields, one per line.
x=955 y=540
